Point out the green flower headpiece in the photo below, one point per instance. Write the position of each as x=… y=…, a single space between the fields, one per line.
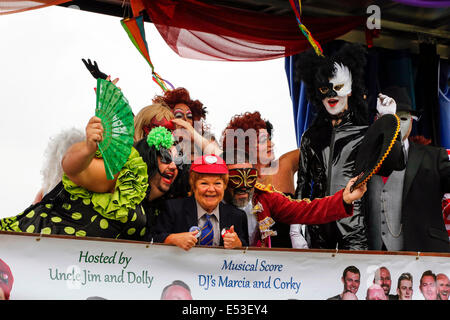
x=160 y=137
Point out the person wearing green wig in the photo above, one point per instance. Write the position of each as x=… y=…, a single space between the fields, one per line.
x=86 y=203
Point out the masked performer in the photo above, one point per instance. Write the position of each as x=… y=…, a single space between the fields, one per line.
x=266 y=207
x=86 y=203
x=255 y=135
x=405 y=212
x=335 y=86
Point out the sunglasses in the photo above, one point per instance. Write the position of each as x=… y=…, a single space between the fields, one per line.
x=166 y=157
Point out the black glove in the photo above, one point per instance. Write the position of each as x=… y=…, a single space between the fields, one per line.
x=93 y=69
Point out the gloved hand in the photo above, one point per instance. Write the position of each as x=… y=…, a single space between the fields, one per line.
x=385 y=105
x=94 y=70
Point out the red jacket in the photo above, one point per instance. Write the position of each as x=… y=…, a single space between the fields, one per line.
x=270 y=204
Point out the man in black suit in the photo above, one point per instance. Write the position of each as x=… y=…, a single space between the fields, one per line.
x=203 y=218
x=410 y=220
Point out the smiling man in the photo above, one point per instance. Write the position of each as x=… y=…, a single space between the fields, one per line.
x=443 y=286
x=351 y=279
x=382 y=277
x=428 y=285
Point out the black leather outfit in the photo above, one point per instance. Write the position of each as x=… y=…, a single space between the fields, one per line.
x=320 y=175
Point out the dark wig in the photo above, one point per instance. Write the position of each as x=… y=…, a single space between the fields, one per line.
x=150 y=157
x=179 y=187
x=313 y=70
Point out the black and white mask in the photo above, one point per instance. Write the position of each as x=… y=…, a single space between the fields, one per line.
x=335 y=93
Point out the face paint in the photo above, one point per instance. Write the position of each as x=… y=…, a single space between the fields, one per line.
x=182 y=114
x=335 y=105
x=169 y=156
x=336 y=93
x=342 y=80
x=405 y=123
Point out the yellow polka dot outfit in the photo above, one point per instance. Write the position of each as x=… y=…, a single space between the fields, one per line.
x=73 y=210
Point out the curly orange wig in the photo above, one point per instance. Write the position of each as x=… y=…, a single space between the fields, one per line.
x=245 y=121
x=181 y=95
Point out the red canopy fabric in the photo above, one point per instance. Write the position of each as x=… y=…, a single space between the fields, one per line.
x=204 y=31
x=15 y=6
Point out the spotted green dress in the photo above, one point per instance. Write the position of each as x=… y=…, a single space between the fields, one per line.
x=73 y=210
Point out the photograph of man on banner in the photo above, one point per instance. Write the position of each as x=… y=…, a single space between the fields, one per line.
x=351 y=279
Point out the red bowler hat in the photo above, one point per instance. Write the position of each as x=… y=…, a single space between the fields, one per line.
x=209 y=163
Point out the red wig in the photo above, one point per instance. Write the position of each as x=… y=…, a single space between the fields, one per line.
x=245 y=121
x=420 y=140
x=181 y=95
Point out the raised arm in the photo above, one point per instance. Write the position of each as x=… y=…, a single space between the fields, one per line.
x=317 y=211
x=283 y=180
x=81 y=166
x=208 y=147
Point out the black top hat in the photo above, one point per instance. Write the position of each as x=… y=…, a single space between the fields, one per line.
x=380 y=151
x=402 y=99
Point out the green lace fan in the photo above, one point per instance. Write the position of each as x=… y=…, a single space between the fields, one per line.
x=118 y=126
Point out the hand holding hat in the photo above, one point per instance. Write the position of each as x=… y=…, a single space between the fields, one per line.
x=380 y=152
x=385 y=105
x=351 y=195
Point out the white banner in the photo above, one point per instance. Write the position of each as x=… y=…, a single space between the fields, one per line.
x=63 y=268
